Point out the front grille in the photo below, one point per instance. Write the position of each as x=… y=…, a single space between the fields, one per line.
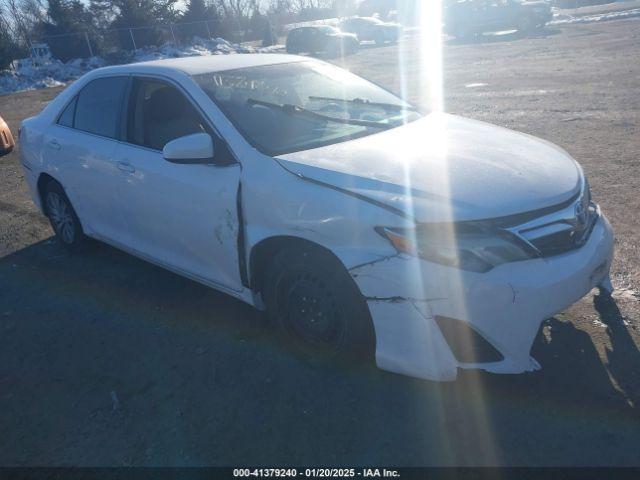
x=561 y=231
x=564 y=241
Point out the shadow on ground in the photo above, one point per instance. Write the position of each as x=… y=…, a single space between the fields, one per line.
x=623 y=357
x=108 y=360
x=500 y=37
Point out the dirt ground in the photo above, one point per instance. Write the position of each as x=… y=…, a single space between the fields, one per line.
x=107 y=360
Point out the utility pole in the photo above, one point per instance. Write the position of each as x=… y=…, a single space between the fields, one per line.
x=133 y=40
x=86 y=37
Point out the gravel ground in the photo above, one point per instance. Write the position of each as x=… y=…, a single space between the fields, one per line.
x=107 y=360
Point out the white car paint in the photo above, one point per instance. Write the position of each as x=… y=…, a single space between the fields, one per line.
x=204 y=221
x=446 y=168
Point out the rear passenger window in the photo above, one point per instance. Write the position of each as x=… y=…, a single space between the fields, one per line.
x=98 y=106
x=66 y=118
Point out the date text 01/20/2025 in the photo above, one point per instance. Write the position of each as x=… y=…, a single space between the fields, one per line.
x=316 y=472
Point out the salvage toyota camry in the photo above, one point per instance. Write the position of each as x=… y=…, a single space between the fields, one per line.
x=361 y=225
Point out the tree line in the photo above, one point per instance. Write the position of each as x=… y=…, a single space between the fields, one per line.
x=103 y=26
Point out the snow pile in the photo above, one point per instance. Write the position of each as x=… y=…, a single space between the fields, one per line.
x=564 y=19
x=27 y=76
x=198 y=47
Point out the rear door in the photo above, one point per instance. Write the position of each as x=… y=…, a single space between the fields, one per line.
x=184 y=216
x=316 y=40
x=81 y=149
x=306 y=40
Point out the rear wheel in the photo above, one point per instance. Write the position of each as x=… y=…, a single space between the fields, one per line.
x=62 y=216
x=315 y=305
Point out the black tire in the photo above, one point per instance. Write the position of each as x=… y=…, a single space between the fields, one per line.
x=62 y=216
x=315 y=305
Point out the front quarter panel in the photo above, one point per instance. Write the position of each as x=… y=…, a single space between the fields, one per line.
x=279 y=203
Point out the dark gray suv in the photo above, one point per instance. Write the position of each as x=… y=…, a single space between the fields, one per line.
x=464 y=18
x=321 y=39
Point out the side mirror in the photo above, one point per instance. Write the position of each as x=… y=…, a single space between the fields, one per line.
x=190 y=149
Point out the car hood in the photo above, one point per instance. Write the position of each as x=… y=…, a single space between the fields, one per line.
x=445 y=168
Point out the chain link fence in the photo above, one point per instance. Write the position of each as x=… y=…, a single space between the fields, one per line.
x=118 y=41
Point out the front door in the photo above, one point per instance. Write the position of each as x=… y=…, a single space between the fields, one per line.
x=184 y=216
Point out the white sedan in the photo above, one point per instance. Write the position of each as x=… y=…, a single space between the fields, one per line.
x=363 y=227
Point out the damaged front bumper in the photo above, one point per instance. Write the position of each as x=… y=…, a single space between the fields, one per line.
x=505 y=306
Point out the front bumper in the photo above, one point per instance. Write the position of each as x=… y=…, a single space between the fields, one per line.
x=505 y=305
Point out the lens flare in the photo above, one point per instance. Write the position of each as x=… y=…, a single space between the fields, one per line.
x=421 y=59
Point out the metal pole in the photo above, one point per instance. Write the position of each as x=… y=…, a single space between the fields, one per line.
x=173 y=34
x=86 y=37
x=133 y=40
x=206 y=23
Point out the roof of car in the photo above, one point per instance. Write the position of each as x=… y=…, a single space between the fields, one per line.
x=207 y=63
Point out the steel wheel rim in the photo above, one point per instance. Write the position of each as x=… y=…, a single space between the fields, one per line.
x=61 y=217
x=311 y=314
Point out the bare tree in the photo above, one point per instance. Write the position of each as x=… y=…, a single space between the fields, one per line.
x=24 y=15
x=237 y=8
x=279 y=7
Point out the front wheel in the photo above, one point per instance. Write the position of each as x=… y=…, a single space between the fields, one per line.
x=62 y=216
x=316 y=306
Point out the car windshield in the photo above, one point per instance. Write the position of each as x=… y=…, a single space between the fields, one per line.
x=328 y=29
x=298 y=106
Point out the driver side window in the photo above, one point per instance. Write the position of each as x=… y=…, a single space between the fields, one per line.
x=159 y=113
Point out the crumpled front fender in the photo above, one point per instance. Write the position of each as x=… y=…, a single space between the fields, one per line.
x=505 y=305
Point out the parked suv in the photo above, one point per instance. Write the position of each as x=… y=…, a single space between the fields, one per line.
x=370 y=28
x=321 y=39
x=6 y=139
x=464 y=18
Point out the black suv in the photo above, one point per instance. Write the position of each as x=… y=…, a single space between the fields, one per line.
x=463 y=18
x=371 y=28
x=321 y=39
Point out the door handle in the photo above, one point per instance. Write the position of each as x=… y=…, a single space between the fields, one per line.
x=126 y=167
x=54 y=144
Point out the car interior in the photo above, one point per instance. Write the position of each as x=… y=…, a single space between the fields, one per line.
x=160 y=113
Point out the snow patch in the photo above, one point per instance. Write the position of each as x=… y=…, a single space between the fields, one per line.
x=564 y=19
x=27 y=76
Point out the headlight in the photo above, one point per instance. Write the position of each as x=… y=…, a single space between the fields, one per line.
x=465 y=246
